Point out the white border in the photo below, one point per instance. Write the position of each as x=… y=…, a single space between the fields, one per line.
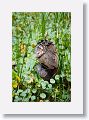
x=76 y=104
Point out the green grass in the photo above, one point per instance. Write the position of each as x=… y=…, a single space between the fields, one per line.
x=27 y=30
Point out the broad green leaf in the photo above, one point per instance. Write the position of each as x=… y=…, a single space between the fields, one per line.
x=23 y=94
x=33 y=98
x=34 y=90
x=43 y=95
x=52 y=81
x=57 y=77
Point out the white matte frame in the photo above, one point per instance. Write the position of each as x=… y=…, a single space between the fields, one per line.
x=76 y=104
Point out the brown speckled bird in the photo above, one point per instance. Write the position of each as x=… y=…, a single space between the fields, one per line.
x=46 y=54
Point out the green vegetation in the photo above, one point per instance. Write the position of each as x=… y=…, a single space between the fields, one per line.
x=27 y=30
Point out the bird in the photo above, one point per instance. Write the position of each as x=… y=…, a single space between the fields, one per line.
x=46 y=53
